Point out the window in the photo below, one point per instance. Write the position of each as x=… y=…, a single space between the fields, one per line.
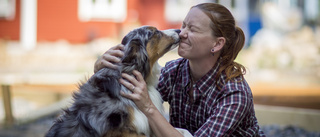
x=176 y=10
x=7 y=9
x=102 y=10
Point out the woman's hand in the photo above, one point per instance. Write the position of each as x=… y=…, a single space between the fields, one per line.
x=139 y=90
x=159 y=125
x=110 y=58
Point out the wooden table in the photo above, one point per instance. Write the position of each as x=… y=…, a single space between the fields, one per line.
x=57 y=80
x=287 y=94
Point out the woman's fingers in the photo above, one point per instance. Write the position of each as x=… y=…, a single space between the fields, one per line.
x=114 y=54
x=110 y=58
x=136 y=80
x=128 y=95
x=118 y=47
x=116 y=51
x=108 y=64
x=127 y=84
x=132 y=88
x=138 y=75
x=138 y=87
x=135 y=84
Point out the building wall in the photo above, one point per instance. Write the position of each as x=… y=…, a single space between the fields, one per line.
x=58 y=19
x=10 y=29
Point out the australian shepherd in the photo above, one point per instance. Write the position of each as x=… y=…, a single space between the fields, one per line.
x=99 y=110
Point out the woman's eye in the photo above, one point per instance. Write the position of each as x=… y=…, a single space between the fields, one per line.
x=192 y=29
x=183 y=26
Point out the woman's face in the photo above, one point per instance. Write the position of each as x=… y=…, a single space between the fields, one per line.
x=196 y=39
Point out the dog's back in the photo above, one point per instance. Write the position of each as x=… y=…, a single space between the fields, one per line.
x=98 y=108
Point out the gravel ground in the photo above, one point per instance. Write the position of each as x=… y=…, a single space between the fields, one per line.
x=36 y=128
x=39 y=127
x=287 y=131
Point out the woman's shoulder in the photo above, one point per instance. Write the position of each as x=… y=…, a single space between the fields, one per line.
x=236 y=84
x=172 y=69
x=169 y=74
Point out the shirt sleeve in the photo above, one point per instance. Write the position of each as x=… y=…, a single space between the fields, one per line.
x=164 y=84
x=165 y=80
x=228 y=112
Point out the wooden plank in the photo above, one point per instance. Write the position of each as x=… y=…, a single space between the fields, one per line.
x=311 y=102
x=63 y=88
x=289 y=89
x=6 y=93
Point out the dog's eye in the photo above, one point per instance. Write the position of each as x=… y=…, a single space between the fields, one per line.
x=155 y=33
x=158 y=33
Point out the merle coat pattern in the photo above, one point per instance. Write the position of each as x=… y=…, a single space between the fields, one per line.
x=98 y=109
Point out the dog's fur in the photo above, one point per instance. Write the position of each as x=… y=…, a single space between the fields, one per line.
x=99 y=110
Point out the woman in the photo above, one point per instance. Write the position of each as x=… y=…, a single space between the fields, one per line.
x=206 y=90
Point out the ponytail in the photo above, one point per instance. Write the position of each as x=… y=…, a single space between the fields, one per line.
x=229 y=53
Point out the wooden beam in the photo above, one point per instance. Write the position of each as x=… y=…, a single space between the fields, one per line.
x=6 y=93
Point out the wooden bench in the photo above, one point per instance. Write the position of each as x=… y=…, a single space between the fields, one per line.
x=57 y=82
x=288 y=94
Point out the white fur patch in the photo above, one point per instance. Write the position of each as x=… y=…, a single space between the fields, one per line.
x=141 y=121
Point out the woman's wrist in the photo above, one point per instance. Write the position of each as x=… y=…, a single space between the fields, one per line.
x=150 y=110
x=160 y=126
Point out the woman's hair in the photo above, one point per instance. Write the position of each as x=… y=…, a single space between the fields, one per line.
x=223 y=25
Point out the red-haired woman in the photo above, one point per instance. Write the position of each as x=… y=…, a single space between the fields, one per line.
x=206 y=90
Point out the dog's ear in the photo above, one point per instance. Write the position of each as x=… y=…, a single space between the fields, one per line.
x=133 y=49
x=125 y=40
x=128 y=37
x=136 y=57
x=134 y=52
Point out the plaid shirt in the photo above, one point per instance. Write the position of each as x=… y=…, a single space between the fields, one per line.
x=213 y=112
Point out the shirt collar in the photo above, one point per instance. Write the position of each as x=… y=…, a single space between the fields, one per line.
x=186 y=74
x=205 y=82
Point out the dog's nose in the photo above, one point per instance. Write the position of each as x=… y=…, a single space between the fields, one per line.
x=177 y=30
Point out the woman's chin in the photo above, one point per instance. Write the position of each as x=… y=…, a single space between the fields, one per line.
x=181 y=52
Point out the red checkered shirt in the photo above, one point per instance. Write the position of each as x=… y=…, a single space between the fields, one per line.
x=213 y=112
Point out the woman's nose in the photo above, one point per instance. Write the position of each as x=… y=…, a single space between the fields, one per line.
x=183 y=33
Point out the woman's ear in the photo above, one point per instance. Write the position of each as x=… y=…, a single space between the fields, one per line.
x=218 y=45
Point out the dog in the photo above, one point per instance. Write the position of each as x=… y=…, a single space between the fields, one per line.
x=99 y=110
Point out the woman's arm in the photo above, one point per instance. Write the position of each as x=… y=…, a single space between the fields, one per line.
x=159 y=125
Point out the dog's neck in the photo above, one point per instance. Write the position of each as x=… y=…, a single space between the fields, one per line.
x=151 y=78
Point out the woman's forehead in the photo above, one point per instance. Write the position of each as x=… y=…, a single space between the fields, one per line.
x=196 y=17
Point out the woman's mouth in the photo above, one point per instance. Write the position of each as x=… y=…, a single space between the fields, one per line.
x=183 y=43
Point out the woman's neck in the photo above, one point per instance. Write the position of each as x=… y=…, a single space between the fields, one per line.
x=199 y=68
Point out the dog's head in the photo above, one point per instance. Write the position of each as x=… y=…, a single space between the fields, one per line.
x=144 y=46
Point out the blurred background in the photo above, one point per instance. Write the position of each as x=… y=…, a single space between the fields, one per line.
x=48 y=47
